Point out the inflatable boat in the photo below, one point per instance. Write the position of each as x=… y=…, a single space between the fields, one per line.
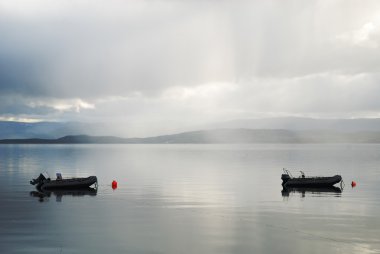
x=311 y=181
x=44 y=182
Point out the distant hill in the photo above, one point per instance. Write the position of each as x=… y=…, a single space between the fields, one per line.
x=218 y=136
x=77 y=139
x=301 y=124
x=55 y=130
x=46 y=130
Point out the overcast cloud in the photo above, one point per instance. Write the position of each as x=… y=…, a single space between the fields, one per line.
x=154 y=64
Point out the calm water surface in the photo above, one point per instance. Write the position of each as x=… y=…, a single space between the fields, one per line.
x=190 y=199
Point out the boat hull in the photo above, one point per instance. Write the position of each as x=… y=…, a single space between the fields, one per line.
x=72 y=183
x=312 y=181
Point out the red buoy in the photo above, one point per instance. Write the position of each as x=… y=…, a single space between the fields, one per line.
x=353 y=184
x=114 y=184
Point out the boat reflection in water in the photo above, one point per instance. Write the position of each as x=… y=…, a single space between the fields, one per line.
x=316 y=191
x=44 y=195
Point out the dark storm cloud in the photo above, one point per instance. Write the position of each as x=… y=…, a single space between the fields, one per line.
x=93 y=54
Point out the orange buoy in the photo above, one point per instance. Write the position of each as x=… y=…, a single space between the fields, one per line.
x=353 y=184
x=114 y=184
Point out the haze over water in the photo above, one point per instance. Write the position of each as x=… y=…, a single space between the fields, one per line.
x=190 y=199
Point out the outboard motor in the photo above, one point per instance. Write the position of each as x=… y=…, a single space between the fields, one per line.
x=285 y=178
x=39 y=179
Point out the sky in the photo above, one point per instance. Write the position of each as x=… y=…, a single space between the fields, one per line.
x=156 y=66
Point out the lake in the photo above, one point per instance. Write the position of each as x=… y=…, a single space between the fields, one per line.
x=190 y=199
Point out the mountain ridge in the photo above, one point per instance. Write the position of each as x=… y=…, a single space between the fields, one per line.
x=55 y=130
x=217 y=136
